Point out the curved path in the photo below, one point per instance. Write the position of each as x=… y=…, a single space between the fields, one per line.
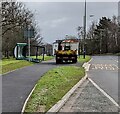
x=17 y=85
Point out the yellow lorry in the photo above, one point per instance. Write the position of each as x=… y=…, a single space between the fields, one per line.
x=66 y=54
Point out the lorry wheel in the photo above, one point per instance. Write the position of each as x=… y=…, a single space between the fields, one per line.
x=74 y=61
x=57 y=61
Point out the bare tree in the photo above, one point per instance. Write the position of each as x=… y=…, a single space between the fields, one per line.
x=15 y=16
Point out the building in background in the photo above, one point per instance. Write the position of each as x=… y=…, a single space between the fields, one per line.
x=48 y=49
x=55 y=46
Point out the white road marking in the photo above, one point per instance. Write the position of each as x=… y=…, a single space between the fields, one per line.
x=104 y=66
x=101 y=90
x=25 y=103
x=115 y=66
x=99 y=66
x=116 y=61
x=111 y=68
x=95 y=66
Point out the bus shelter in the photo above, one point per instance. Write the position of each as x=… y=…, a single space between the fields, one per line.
x=20 y=52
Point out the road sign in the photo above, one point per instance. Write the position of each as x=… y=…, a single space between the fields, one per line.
x=29 y=32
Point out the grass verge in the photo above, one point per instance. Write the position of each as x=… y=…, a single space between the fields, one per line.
x=53 y=86
x=13 y=64
x=46 y=58
x=118 y=54
x=82 y=60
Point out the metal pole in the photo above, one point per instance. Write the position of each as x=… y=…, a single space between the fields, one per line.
x=84 y=32
x=79 y=30
x=43 y=53
x=100 y=46
x=29 y=47
x=79 y=48
x=100 y=42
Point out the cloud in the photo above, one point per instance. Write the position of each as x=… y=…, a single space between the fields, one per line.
x=55 y=22
x=56 y=19
x=67 y=0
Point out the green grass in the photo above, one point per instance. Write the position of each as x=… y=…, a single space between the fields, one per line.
x=82 y=60
x=9 y=61
x=118 y=54
x=46 y=58
x=13 y=64
x=0 y=66
x=53 y=86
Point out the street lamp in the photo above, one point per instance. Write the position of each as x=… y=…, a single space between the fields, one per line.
x=101 y=30
x=84 y=50
x=79 y=32
x=91 y=16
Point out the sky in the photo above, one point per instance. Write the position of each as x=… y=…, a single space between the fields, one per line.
x=58 y=19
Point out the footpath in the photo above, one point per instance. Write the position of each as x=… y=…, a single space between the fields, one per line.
x=17 y=85
x=87 y=98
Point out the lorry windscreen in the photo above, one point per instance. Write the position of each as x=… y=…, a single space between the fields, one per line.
x=67 y=48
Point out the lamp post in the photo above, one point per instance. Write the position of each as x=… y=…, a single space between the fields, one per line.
x=91 y=16
x=79 y=34
x=84 y=50
x=29 y=47
x=101 y=33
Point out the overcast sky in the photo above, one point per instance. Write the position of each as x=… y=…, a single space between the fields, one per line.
x=57 y=19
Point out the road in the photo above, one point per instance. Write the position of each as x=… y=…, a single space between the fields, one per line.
x=104 y=72
x=87 y=98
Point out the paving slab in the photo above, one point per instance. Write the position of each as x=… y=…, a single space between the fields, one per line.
x=88 y=98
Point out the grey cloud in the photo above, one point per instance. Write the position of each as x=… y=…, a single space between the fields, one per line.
x=56 y=19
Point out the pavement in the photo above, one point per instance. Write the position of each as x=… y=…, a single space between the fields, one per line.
x=87 y=98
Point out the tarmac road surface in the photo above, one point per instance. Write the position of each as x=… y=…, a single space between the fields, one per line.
x=104 y=72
